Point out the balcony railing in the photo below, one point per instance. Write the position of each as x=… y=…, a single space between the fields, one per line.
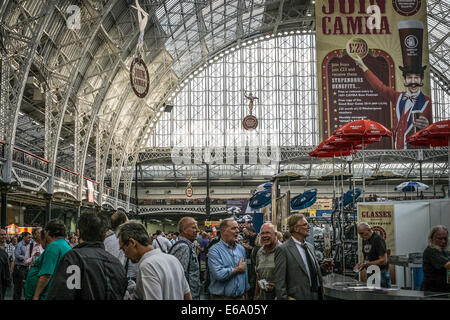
x=30 y=160
x=66 y=174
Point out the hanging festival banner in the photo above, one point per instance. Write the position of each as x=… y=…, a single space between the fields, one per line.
x=139 y=77
x=372 y=62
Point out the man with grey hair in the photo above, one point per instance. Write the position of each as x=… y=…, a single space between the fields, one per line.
x=265 y=263
x=297 y=272
x=160 y=276
x=375 y=253
x=184 y=250
x=436 y=261
x=227 y=265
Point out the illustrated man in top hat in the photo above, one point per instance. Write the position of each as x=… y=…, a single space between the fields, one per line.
x=413 y=108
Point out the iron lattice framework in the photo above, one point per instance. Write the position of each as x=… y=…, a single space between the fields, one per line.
x=279 y=71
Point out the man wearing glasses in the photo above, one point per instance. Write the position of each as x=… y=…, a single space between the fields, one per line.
x=160 y=276
x=297 y=271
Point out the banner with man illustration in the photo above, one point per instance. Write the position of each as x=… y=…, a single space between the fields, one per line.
x=372 y=62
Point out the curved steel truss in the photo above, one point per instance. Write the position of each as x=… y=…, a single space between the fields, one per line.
x=65 y=96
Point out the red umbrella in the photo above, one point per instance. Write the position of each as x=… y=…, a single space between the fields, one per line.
x=325 y=147
x=437 y=135
x=329 y=154
x=441 y=128
x=422 y=139
x=362 y=129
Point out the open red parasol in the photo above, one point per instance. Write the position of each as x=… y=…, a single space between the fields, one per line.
x=441 y=128
x=326 y=149
x=422 y=139
x=437 y=135
x=317 y=153
x=362 y=129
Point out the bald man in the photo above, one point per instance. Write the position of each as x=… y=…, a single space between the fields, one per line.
x=265 y=263
x=375 y=253
x=184 y=250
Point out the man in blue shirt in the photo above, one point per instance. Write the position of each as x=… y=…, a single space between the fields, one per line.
x=227 y=265
x=20 y=268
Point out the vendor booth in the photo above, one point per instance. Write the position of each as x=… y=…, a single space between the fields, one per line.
x=405 y=226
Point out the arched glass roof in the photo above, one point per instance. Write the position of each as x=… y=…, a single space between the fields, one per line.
x=95 y=122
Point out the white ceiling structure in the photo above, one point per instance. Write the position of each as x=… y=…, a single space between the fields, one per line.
x=71 y=101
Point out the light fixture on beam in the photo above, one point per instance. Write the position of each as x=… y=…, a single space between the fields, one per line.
x=167 y=107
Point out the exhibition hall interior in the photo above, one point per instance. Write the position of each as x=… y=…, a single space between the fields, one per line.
x=335 y=112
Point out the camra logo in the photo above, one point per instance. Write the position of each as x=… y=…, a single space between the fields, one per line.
x=407 y=7
x=411 y=42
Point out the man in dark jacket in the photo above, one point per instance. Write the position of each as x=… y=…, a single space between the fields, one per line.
x=88 y=272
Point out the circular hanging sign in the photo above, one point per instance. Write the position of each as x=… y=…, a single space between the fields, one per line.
x=139 y=78
x=189 y=192
x=250 y=122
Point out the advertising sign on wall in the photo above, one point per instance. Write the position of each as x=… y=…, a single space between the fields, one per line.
x=381 y=219
x=372 y=62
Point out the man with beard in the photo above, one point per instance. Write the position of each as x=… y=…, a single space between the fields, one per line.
x=412 y=108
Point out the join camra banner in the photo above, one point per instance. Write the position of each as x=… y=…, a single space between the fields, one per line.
x=372 y=62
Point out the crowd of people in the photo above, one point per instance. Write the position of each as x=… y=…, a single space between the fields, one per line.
x=112 y=258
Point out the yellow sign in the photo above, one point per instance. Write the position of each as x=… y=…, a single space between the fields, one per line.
x=322 y=204
x=13 y=229
x=380 y=217
x=312 y=213
x=211 y=223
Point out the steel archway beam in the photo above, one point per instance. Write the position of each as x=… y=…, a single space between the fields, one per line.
x=69 y=90
x=13 y=107
x=98 y=103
